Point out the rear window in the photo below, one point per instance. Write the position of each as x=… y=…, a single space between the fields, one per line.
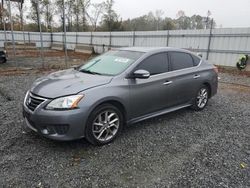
x=111 y=63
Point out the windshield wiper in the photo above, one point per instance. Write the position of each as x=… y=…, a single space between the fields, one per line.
x=89 y=72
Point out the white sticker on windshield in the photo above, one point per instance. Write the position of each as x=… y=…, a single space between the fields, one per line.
x=122 y=60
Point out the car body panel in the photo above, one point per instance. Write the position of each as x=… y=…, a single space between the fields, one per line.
x=67 y=82
x=154 y=95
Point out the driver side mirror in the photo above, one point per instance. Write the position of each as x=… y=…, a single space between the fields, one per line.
x=141 y=74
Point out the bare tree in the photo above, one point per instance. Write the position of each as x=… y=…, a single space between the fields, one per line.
x=3 y=15
x=84 y=5
x=180 y=14
x=34 y=14
x=68 y=13
x=48 y=13
x=110 y=19
x=97 y=11
x=59 y=11
x=158 y=14
x=19 y=15
x=76 y=12
x=109 y=12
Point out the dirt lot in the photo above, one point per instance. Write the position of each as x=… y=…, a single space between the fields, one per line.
x=182 y=149
x=31 y=59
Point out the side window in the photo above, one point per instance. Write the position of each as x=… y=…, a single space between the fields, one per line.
x=180 y=60
x=196 y=60
x=155 y=64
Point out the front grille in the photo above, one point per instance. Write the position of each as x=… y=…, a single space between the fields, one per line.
x=33 y=101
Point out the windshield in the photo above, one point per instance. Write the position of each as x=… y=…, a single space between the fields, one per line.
x=111 y=63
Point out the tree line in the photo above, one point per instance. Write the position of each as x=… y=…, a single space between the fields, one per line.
x=83 y=15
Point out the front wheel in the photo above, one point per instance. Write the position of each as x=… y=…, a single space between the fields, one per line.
x=201 y=98
x=104 y=124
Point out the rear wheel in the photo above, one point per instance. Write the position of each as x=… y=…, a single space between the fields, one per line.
x=104 y=124
x=201 y=98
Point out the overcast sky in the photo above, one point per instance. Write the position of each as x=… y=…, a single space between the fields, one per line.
x=228 y=13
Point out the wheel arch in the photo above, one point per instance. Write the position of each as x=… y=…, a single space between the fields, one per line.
x=118 y=104
x=208 y=85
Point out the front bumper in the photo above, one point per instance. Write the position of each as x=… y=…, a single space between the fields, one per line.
x=56 y=125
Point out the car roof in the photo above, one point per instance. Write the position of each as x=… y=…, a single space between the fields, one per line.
x=152 y=49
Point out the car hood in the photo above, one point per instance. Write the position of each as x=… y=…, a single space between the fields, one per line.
x=67 y=82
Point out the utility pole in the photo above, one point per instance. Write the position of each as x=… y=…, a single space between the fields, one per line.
x=209 y=39
x=207 y=21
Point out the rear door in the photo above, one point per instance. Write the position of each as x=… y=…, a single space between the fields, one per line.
x=185 y=78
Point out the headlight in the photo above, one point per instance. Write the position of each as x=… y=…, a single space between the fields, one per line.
x=65 y=103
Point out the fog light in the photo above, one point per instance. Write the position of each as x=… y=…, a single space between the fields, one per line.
x=45 y=131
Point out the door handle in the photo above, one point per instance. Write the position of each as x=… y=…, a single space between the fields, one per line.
x=168 y=82
x=196 y=76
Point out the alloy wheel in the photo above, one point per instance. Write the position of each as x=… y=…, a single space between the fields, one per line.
x=202 y=98
x=106 y=125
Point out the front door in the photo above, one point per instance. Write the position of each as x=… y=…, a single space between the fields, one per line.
x=149 y=95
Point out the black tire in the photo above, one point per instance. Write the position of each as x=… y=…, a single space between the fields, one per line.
x=196 y=103
x=91 y=136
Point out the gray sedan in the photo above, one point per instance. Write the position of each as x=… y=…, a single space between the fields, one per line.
x=123 y=86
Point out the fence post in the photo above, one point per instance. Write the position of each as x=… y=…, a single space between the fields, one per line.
x=29 y=37
x=24 y=40
x=110 y=40
x=168 y=38
x=51 y=38
x=76 y=38
x=209 y=39
x=103 y=48
x=91 y=38
x=134 y=38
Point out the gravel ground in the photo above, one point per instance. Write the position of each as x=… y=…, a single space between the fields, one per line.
x=181 y=149
x=229 y=78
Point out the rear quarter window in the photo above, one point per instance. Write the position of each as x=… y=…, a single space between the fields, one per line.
x=196 y=60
